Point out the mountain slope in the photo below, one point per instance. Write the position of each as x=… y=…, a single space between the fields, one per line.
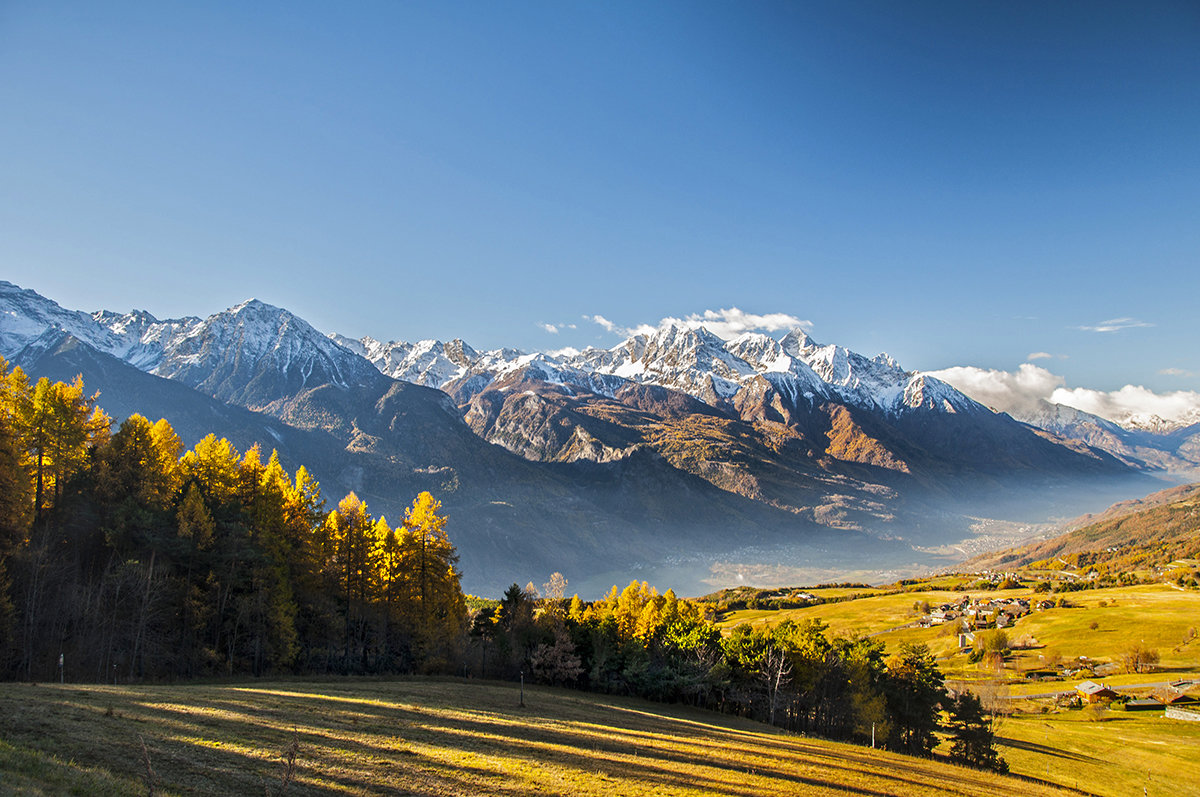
x=1153 y=531
x=1175 y=450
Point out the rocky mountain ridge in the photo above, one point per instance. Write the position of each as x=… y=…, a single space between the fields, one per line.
x=675 y=441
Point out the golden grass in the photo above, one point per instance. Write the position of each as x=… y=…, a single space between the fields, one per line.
x=871 y=615
x=1154 y=615
x=1116 y=756
x=430 y=737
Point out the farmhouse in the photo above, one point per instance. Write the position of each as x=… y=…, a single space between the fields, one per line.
x=1094 y=692
x=1174 y=697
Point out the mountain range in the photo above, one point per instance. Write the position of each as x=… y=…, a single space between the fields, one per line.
x=663 y=457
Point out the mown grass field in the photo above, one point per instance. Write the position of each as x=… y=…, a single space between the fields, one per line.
x=1115 y=756
x=426 y=737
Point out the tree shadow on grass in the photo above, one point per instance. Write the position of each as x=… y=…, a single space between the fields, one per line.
x=1042 y=749
x=222 y=740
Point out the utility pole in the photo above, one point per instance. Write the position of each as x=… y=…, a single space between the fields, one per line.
x=522 y=704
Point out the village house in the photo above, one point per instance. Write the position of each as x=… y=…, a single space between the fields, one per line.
x=1176 y=697
x=1093 y=692
x=941 y=615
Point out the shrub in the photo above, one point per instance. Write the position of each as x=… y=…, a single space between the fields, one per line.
x=1140 y=659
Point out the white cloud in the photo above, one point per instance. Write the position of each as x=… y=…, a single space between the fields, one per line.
x=1116 y=325
x=1133 y=403
x=725 y=323
x=1044 y=355
x=609 y=326
x=551 y=328
x=731 y=322
x=1005 y=391
x=1177 y=372
x=1021 y=391
x=625 y=332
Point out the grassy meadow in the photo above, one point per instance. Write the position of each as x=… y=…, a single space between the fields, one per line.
x=426 y=737
x=870 y=615
x=1158 y=616
x=1113 y=754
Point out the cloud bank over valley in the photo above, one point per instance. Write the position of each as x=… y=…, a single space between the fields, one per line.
x=1022 y=392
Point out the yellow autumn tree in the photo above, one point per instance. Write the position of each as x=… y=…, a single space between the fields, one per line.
x=441 y=612
x=351 y=534
x=215 y=464
x=60 y=424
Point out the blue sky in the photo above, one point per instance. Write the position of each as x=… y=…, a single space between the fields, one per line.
x=958 y=183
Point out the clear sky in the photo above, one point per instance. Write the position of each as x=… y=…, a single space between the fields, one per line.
x=958 y=183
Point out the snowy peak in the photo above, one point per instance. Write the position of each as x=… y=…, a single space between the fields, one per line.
x=761 y=352
x=254 y=337
x=692 y=360
x=220 y=354
x=25 y=316
x=431 y=363
x=258 y=342
x=878 y=383
x=1064 y=420
x=1156 y=424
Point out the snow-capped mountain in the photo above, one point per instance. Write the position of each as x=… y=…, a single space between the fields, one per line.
x=876 y=383
x=431 y=363
x=1156 y=424
x=688 y=359
x=697 y=362
x=1169 y=447
x=234 y=354
x=255 y=353
x=26 y=316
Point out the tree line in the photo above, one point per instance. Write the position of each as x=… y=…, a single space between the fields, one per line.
x=123 y=556
x=637 y=642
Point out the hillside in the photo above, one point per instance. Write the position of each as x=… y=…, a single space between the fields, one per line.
x=428 y=737
x=1052 y=650
x=1151 y=532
